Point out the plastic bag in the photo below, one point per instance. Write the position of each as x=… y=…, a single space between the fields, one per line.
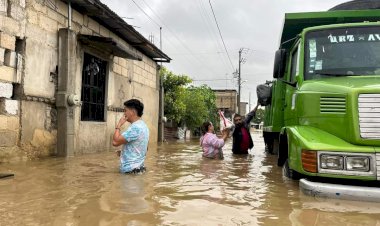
x=225 y=123
x=264 y=94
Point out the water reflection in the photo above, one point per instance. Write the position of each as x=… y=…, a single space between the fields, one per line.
x=179 y=188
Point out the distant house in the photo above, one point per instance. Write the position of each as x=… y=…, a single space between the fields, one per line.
x=65 y=71
x=243 y=108
x=226 y=100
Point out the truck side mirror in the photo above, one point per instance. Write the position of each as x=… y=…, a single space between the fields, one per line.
x=279 y=63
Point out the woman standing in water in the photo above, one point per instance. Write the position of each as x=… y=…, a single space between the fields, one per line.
x=210 y=143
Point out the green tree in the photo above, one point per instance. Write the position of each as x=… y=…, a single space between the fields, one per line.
x=187 y=105
x=200 y=106
x=174 y=91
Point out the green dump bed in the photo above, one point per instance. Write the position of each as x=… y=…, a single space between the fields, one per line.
x=294 y=23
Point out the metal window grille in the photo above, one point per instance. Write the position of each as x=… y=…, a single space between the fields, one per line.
x=93 y=88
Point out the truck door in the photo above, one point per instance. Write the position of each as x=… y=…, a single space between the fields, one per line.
x=290 y=90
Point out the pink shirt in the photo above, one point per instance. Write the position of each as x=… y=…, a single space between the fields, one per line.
x=211 y=145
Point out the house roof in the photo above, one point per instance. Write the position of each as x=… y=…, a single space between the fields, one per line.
x=109 y=19
x=110 y=45
x=224 y=90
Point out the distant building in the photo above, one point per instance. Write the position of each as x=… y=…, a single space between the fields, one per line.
x=226 y=100
x=66 y=67
x=243 y=108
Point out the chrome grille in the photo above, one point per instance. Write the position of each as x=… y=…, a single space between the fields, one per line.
x=369 y=116
x=332 y=105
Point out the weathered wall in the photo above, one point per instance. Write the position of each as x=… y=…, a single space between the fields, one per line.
x=11 y=31
x=226 y=99
x=28 y=80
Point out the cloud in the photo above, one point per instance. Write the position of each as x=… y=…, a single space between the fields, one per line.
x=192 y=40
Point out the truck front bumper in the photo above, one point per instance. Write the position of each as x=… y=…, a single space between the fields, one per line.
x=338 y=191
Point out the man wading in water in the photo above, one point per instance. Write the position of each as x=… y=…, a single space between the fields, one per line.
x=135 y=138
x=242 y=140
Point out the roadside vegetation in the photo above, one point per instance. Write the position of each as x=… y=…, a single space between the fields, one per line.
x=187 y=105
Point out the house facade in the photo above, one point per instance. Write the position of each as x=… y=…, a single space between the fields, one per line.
x=66 y=68
x=243 y=108
x=226 y=101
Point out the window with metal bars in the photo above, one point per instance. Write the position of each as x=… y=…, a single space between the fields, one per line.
x=93 y=88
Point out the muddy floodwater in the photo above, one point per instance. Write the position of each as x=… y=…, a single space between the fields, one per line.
x=179 y=188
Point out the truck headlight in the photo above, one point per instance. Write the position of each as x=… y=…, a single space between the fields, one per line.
x=357 y=163
x=334 y=162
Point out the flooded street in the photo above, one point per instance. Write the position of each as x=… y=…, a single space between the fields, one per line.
x=179 y=188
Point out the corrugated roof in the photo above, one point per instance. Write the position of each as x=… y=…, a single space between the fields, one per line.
x=109 y=19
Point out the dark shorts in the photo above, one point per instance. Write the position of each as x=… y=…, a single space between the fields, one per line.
x=141 y=169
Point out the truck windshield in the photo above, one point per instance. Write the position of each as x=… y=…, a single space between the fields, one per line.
x=353 y=51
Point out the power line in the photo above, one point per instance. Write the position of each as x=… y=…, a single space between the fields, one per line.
x=146 y=14
x=211 y=30
x=176 y=37
x=162 y=23
x=220 y=33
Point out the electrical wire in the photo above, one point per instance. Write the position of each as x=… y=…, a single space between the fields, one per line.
x=221 y=36
x=208 y=23
x=178 y=39
x=146 y=14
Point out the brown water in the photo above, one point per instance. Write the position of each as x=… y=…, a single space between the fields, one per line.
x=179 y=188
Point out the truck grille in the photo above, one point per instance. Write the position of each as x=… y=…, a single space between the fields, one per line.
x=369 y=116
x=332 y=105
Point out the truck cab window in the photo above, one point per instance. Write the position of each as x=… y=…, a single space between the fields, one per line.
x=350 y=51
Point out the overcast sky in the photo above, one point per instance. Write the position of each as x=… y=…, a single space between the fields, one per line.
x=191 y=38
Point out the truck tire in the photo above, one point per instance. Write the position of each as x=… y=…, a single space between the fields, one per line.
x=268 y=140
x=289 y=173
x=282 y=153
x=269 y=148
x=271 y=142
x=275 y=146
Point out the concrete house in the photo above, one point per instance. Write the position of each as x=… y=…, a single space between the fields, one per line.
x=226 y=101
x=66 y=67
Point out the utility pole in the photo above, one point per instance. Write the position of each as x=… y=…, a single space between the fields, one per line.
x=161 y=125
x=239 y=82
x=241 y=60
x=249 y=100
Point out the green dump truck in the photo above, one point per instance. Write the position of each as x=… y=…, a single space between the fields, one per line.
x=324 y=116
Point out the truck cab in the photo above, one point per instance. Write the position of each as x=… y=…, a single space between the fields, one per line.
x=324 y=117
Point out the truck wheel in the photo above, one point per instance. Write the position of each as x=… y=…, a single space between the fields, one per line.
x=282 y=154
x=275 y=146
x=268 y=140
x=289 y=173
x=269 y=148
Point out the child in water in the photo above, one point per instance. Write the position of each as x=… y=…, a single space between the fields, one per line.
x=210 y=143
